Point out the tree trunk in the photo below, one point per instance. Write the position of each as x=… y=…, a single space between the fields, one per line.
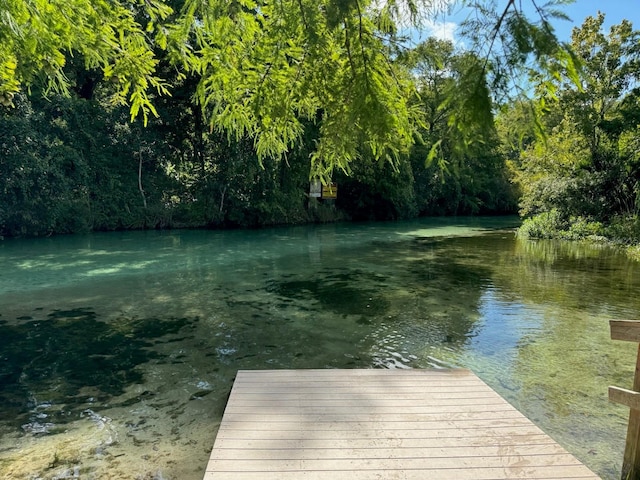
x=144 y=198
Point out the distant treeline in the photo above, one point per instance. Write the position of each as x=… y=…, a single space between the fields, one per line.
x=568 y=159
x=78 y=164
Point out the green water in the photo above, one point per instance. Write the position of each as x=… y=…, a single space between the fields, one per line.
x=118 y=351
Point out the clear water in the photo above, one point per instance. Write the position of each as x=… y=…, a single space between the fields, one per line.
x=118 y=351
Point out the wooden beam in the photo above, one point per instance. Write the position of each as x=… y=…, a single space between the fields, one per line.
x=631 y=461
x=625 y=397
x=627 y=330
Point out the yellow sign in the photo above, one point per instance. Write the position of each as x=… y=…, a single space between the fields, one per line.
x=330 y=191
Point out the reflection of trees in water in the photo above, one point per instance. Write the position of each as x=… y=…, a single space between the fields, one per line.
x=572 y=275
x=353 y=303
x=565 y=363
x=434 y=292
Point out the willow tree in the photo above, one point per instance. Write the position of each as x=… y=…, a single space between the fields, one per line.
x=264 y=66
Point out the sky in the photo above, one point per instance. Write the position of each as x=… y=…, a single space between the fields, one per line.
x=615 y=11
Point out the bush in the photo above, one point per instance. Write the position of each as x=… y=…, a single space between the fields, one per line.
x=624 y=229
x=634 y=252
x=543 y=225
x=582 y=228
x=553 y=225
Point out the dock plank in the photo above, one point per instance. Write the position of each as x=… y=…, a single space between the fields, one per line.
x=379 y=424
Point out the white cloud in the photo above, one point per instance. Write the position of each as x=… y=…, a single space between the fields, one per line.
x=442 y=30
x=434 y=20
x=426 y=10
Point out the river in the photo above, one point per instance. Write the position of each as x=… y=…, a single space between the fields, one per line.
x=118 y=350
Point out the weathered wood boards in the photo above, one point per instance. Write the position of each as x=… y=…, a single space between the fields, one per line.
x=629 y=330
x=379 y=424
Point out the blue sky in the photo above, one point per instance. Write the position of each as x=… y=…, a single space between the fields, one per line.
x=615 y=11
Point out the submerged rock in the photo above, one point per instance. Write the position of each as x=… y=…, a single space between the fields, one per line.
x=68 y=473
x=37 y=428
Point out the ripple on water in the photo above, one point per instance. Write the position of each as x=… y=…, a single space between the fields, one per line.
x=126 y=376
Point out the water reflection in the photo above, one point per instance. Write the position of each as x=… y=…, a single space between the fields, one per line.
x=125 y=373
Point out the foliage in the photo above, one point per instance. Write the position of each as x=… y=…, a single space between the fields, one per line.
x=37 y=35
x=243 y=102
x=452 y=170
x=543 y=225
x=376 y=191
x=634 y=252
x=264 y=68
x=71 y=164
x=619 y=230
x=585 y=172
x=457 y=170
x=549 y=173
x=517 y=127
x=515 y=46
x=39 y=193
x=623 y=229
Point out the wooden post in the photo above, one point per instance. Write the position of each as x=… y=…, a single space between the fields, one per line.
x=629 y=330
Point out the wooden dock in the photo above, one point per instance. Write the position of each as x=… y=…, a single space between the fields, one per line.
x=379 y=424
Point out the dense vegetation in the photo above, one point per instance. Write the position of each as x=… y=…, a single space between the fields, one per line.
x=73 y=164
x=159 y=115
x=582 y=180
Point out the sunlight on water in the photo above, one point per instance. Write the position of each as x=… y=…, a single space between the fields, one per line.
x=118 y=351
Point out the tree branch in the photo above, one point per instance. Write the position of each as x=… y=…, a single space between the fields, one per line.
x=364 y=56
x=496 y=31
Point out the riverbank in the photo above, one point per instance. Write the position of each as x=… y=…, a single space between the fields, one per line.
x=621 y=231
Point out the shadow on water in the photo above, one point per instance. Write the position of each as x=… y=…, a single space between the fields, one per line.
x=337 y=292
x=528 y=317
x=408 y=293
x=445 y=279
x=70 y=358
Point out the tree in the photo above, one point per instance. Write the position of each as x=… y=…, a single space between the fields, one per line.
x=587 y=168
x=264 y=67
x=36 y=37
x=456 y=166
x=611 y=66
